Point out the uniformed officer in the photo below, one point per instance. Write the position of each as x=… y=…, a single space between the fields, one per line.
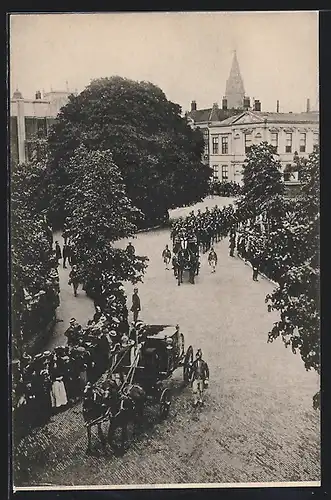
x=200 y=378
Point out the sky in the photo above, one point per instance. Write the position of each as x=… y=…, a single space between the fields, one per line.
x=188 y=55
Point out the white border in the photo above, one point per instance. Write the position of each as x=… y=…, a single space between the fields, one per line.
x=173 y=486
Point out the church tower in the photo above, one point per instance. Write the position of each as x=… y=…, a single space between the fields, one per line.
x=235 y=92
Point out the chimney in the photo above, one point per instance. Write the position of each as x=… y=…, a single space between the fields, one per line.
x=224 y=103
x=308 y=105
x=38 y=94
x=257 y=105
x=193 y=106
x=277 y=106
x=246 y=103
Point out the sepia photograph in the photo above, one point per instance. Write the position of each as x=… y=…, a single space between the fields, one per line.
x=164 y=249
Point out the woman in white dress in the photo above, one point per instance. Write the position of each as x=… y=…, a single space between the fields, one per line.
x=58 y=391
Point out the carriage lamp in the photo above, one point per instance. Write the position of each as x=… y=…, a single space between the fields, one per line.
x=169 y=342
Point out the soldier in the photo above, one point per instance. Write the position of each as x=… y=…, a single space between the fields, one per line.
x=73 y=332
x=136 y=307
x=73 y=279
x=212 y=259
x=166 y=255
x=58 y=253
x=66 y=251
x=130 y=249
x=232 y=244
x=200 y=378
x=255 y=261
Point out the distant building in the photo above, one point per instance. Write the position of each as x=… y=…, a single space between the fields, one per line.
x=290 y=133
x=235 y=91
x=233 y=103
x=30 y=120
x=229 y=132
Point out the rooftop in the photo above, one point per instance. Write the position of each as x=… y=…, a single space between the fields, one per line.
x=212 y=114
x=273 y=117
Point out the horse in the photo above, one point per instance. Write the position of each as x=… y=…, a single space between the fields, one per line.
x=110 y=404
x=186 y=260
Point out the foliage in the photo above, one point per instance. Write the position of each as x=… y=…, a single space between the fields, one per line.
x=262 y=181
x=158 y=154
x=100 y=213
x=284 y=233
x=34 y=278
x=297 y=295
x=231 y=188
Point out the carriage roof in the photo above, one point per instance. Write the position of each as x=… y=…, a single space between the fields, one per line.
x=160 y=332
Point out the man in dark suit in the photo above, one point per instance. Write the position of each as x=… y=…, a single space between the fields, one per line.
x=66 y=254
x=58 y=252
x=199 y=378
x=135 y=308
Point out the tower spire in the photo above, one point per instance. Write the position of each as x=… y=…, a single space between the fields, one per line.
x=235 y=91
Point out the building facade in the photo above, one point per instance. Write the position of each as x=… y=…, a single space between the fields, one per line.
x=234 y=103
x=230 y=131
x=289 y=133
x=30 y=121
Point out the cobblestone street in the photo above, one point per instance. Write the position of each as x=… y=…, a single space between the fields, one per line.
x=257 y=425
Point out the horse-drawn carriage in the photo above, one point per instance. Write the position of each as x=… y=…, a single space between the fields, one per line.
x=186 y=258
x=135 y=379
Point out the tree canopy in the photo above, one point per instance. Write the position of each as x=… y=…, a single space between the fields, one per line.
x=157 y=152
x=262 y=182
x=297 y=294
x=34 y=277
x=100 y=213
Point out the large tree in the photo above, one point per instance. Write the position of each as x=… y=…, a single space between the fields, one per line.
x=297 y=294
x=100 y=213
x=262 y=183
x=157 y=152
x=34 y=277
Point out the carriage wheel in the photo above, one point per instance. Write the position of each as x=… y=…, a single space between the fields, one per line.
x=188 y=365
x=165 y=402
x=181 y=345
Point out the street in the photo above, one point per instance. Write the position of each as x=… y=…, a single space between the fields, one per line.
x=257 y=424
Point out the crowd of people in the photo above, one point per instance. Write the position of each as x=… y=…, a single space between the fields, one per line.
x=205 y=228
x=51 y=381
x=247 y=237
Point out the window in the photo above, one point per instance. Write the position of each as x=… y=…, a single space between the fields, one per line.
x=225 y=145
x=248 y=142
x=215 y=172
x=215 y=144
x=224 y=173
x=288 y=146
x=315 y=139
x=302 y=143
x=274 y=140
x=206 y=139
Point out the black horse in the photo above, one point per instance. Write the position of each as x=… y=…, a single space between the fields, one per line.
x=117 y=408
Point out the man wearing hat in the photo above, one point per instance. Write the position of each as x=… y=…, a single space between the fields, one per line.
x=130 y=250
x=73 y=279
x=58 y=253
x=199 y=377
x=136 y=307
x=73 y=333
